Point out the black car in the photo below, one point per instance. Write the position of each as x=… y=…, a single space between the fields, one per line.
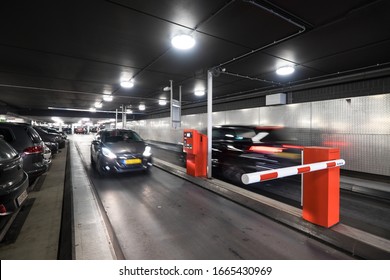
x=51 y=135
x=55 y=131
x=13 y=180
x=51 y=140
x=119 y=151
x=27 y=142
x=239 y=149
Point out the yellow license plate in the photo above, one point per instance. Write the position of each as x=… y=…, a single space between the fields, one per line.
x=133 y=161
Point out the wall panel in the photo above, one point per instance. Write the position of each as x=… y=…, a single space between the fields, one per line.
x=359 y=126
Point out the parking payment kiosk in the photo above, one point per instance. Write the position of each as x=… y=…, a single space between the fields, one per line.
x=195 y=146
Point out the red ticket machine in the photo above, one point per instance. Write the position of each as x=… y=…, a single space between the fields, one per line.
x=195 y=145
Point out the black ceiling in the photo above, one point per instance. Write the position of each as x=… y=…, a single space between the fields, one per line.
x=67 y=54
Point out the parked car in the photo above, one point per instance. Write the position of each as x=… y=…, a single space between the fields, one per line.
x=55 y=131
x=80 y=130
x=239 y=149
x=27 y=142
x=13 y=180
x=119 y=151
x=51 y=139
x=67 y=130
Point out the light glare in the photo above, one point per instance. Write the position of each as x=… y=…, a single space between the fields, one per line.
x=183 y=42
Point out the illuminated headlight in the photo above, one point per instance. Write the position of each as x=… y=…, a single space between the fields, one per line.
x=107 y=153
x=147 y=152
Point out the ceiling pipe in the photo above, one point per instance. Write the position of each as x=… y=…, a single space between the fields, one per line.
x=251 y=78
x=301 y=27
x=344 y=78
x=73 y=91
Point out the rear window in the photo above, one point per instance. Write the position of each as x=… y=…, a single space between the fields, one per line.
x=6 y=151
x=33 y=135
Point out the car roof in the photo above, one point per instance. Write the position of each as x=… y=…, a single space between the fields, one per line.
x=255 y=127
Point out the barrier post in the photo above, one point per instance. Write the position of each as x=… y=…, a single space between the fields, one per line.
x=321 y=189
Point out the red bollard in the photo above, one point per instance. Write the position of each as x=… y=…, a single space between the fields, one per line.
x=321 y=189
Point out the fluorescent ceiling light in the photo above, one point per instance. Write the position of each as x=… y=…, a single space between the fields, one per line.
x=127 y=84
x=107 y=98
x=57 y=120
x=162 y=102
x=285 y=70
x=199 y=92
x=141 y=107
x=92 y=109
x=129 y=111
x=183 y=42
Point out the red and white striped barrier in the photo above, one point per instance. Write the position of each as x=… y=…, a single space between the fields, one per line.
x=255 y=177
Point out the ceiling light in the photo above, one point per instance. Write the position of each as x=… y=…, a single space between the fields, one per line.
x=98 y=104
x=166 y=88
x=57 y=120
x=285 y=70
x=141 y=107
x=107 y=98
x=127 y=84
x=92 y=109
x=162 y=102
x=129 y=111
x=199 y=92
x=183 y=42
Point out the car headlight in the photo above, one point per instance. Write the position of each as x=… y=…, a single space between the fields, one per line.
x=147 y=152
x=107 y=153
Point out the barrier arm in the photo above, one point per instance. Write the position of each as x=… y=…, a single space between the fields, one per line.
x=255 y=177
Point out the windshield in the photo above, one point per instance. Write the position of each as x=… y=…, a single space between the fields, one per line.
x=233 y=133
x=120 y=136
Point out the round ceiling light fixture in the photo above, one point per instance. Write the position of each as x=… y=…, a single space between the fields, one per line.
x=183 y=42
x=127 y=84
x=199 y=92
x=162 y=102
x=141 y=107
x=285 y=70
x=107 y=98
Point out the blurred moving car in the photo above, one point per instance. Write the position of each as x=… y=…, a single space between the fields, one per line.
x=239 y=149
x=120 y=151
x=27 y=142
x=13 y=180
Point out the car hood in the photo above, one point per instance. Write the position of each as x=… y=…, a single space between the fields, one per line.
x=132 y=147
